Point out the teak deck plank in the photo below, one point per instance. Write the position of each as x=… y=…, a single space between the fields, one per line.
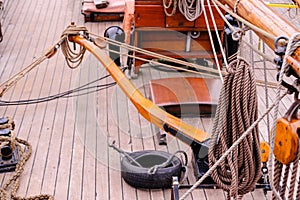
x=71 y=160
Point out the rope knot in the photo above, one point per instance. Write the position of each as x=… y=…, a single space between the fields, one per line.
x=238 y=33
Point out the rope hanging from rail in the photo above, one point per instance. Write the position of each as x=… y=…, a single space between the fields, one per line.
x=73 y=57
x=191 y=9
x=237 y=110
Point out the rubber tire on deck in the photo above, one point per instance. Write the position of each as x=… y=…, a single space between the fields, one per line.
x=140 y=178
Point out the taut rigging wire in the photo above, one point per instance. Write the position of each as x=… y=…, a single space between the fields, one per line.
x=66 y=94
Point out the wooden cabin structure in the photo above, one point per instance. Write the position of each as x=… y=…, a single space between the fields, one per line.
x=173 y=36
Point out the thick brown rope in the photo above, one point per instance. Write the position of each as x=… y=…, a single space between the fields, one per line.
x=276 y=180
x=281 y=185
x=237 y=110
x=294 y=176
x=9 y=189
x=9 y=125
x=73 y=57
x=284 y=181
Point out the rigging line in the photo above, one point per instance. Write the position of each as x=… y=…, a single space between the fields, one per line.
x=265 y=56
x=156 y=55
x=63 y=94
x=253 y=27
x=160 y=56
x=11 y=81
x=289 y=49
x=223 y=17
x=258 y=82
x=233 y=146
x=66 y=94
x=166 y=65
x=212 y=42
x=236 y=5
x=217 y=33
x=16 y=77
x=266 y=89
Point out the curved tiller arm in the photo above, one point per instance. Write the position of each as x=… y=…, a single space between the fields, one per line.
x=157 y=116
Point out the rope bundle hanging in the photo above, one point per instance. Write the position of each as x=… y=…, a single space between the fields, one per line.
x=237 y=110
x=191 y=9
x=73 y=57
x=168 y=5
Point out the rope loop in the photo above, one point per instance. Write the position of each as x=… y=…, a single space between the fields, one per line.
x=238 y=33
x=167 y=6
x=73 y=57
x=235 y=6
x=236 y=112
x=191 y=9
x=154 y=169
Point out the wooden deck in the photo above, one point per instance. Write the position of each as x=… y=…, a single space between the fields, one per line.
x=71 y=158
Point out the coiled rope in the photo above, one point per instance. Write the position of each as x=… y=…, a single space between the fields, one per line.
x=73 y=57
x=191 y=9
x=9 y=125
x=10 y=188
x=237 y=110
x=167 y=6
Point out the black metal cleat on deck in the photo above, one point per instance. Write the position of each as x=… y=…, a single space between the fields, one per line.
x=9 y=155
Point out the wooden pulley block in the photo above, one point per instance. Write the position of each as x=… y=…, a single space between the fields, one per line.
x=286 y=142
x=264 y=151
x=100 y=42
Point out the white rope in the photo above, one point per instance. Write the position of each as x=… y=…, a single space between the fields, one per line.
x=217 y=33
x=155 y=55
x=253 y=27
x=235 y=6
x=212 y=43
x=191 y=9
x=167 y=6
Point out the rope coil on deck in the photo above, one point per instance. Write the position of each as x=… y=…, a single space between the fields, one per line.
x=237 y=110
x=10 y=188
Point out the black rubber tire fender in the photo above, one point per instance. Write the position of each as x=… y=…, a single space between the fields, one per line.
x=139 y=177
